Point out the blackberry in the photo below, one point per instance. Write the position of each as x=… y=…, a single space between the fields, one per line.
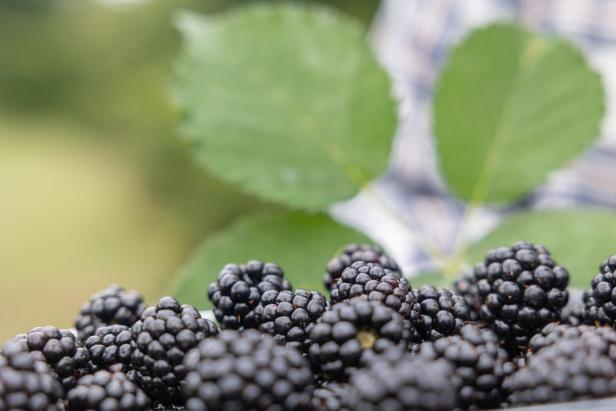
x=600 y=298
x=162 y=337
x=26 y=382
x=246 y=370
x=290 y=315
x=107 y=391
x=466 y=287
x=352 y=253
x=331 y=397
x=343 y=335
x=409 y=384
x=573 y=313
x=441 y=312
x=111 y=346
x=569 y=369
x=377 y=284
x=238 y=289
x=479 y=363
x=60 y=349
x=113 y=305
x=522 y=289
x=554 y=332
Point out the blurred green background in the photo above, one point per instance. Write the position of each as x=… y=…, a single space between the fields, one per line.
x=95 y=184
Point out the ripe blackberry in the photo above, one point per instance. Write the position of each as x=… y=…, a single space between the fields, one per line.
x=331 y=397
x=522 y=289
x=570 y=369
x=377 y=284
x=60 y=349
x=441 y=313
x=113 y=305
x=554 y=332
x=162 y=337
x=408 y=384
x=246 y=371
x=290 y=315
x=352 y=253
x=111 y=346
x=107 y=391
x=479 y=363
x=600 y=298
x=573 y=313
x=343 y=335
x=27 y=383
x=466 y=287
x=238 y=289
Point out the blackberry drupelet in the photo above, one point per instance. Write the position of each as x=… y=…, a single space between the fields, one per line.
x=466 y=287
x=522 y=289
x=249 y=371
x=352 y=253
x=107 y=391
x=290 y=315
x=573 y=313
x=113 y=305
x=441 y=313
x=600 y=298
x=350 y=329
x=111 y=347
x=377 y=284
x=162 y=337
x=60 y=349
x=238 y=290
x=570 y=369
x=554 y=332
x=331 y=397
x=480 y=364
x=26 y=382
x=408 y=384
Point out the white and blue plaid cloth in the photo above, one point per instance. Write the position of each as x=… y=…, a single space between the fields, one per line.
x=412 y=39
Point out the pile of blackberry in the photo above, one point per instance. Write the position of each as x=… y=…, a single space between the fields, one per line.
x=506 y=335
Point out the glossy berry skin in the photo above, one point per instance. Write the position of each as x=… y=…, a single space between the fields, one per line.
x=238 y=290
x=441 y=313
x=290 y=315
x=113 y=305
x=377 y=284
x=552 y=333
x=111 y=346
x=331 y=397
x=60 y=349
x=107 y=391
x=162 y=337
x=352 y=253
x=26 y=382
x=246 y=370
x=466 y=287
x=600 y=298
x=480 y=364
x=522 y=289
x=349 y=331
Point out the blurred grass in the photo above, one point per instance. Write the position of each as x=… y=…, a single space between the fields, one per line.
x=95 y=185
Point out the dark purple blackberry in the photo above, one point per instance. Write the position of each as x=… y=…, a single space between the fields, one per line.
x=408 y=384
x=113 y=305
x=343 y=335
x=60 y=349
x=289 y=315
x=162 y=337
x=331 y=397
x=466 y=286
x=111 y=347
x=352 y=253
x=479 y=363
x=600 y=298
x=569 y=369
x=377 y=284
x=573 y=313
x=107 y=391
x=554 y=332
x=246 y=371
x=522 y=289
x=441 y=313
x=26 y=382
x=238 y=289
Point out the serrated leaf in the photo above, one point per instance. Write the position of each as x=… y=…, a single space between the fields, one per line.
x=301 y=243
x=286 y=101
x=578 y=239
x=510 y=107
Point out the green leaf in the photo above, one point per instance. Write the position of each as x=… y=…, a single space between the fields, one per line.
x=301 y=243
x=436 y=279
x=578 y=239
x=286 y=101
x=510 y=107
